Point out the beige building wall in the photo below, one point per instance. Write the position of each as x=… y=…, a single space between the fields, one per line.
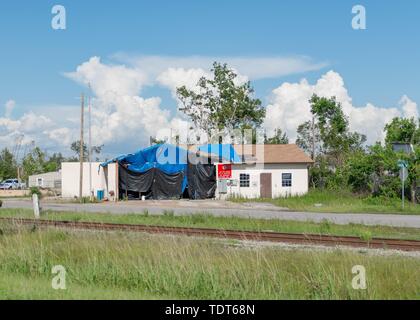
x=299 y=174
x=102 y=179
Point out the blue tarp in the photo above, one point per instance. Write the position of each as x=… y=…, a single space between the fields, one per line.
x=224 y=151
x=171 y=159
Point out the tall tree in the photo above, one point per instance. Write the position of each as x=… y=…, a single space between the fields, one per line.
x=403 y=130
x=8 y=167
x=309 y=138
x=221 y=103
x=407 y=131
x=33 y=163
x=337 y=140
x=54 y=162
x=278 y=138
x=75 y=147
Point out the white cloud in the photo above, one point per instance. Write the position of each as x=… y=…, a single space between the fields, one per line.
x=118 y=112
x=409 y=107
x=9 y=106
x=173 y=78
x=253 y=67
x=123 y=120
x=289 y=107
x=109 y=78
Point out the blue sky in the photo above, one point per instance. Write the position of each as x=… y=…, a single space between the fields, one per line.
x=379 y=65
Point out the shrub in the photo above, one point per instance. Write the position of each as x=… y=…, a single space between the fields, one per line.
x=35 y=190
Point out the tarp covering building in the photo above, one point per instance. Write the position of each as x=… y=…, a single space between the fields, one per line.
x=165 y=171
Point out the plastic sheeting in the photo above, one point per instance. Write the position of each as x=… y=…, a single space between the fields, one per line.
x=201 y=181
x=163 y=172
x=153 y=184
x=225 y=152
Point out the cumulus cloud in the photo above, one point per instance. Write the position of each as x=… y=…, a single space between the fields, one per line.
x=119 y=113
x=27 y=128
x=121 y=116
x=104 y=79
x=409 y=107
x=289 y=107
x=9 y=106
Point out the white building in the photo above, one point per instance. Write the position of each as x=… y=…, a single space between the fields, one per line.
x=263 y=171
x=268 y=171
x=99 y=179
x=49 y=180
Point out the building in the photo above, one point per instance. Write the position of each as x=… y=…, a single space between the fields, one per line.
x=49 y=180
x=102 y=179
x=171 y=172
x=273 y=171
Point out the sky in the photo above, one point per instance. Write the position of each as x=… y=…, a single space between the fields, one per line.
x=135 y=53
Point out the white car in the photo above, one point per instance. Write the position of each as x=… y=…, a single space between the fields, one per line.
x=11 y=184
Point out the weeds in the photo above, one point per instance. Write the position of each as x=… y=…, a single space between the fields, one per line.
x=135 y=265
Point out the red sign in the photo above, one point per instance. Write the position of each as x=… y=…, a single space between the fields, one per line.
x=224 y=171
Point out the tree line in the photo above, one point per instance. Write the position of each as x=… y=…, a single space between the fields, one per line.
x=37 y=161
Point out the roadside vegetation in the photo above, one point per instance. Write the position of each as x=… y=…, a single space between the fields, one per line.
x=127 y=265
x=227 y=223
x=339 y=202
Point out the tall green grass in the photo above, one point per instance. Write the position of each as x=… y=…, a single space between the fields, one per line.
x=339 y=202
x=235 y=223
x=227 y=223
x=191 y=268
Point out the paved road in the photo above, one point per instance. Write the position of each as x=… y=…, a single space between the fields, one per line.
x=216 y=208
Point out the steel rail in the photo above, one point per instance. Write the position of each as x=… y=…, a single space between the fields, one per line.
x=295 y=238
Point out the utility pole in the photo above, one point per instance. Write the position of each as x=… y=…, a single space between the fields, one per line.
x=81 y=147
x=313 y=137
x=90 y=150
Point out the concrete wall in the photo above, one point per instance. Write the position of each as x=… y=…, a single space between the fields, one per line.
x=49 y=180
x=299 y=180
x=101 y=179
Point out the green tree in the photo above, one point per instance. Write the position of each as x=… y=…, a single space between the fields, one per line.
x=309 y=138
x=75 y=147
x=337 y=140
x=278 y=138
x=407 y=131
x=8 y=167
x=33 y=163
x=221 y=103
x=403 y=130
x=54 y=162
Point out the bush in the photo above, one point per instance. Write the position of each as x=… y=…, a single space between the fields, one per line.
x=35 y=190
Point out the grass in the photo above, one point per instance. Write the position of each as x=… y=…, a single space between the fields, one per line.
x=339 y=202
x=25 y=287
x=235 y=223
x=126 y=265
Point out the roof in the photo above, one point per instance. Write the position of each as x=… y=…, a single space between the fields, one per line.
x=274 y=153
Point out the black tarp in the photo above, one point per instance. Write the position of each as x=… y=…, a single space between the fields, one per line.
x=154 y=184
x=201 y=181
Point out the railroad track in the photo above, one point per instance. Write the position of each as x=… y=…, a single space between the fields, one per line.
x=326 y=240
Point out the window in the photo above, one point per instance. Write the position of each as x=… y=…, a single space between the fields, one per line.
x=40 y=182
x=244 y=180
x=286 y=180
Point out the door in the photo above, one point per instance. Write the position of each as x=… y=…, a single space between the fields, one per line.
x=265 y=185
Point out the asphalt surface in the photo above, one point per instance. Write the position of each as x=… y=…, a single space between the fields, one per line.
x=223 y=208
